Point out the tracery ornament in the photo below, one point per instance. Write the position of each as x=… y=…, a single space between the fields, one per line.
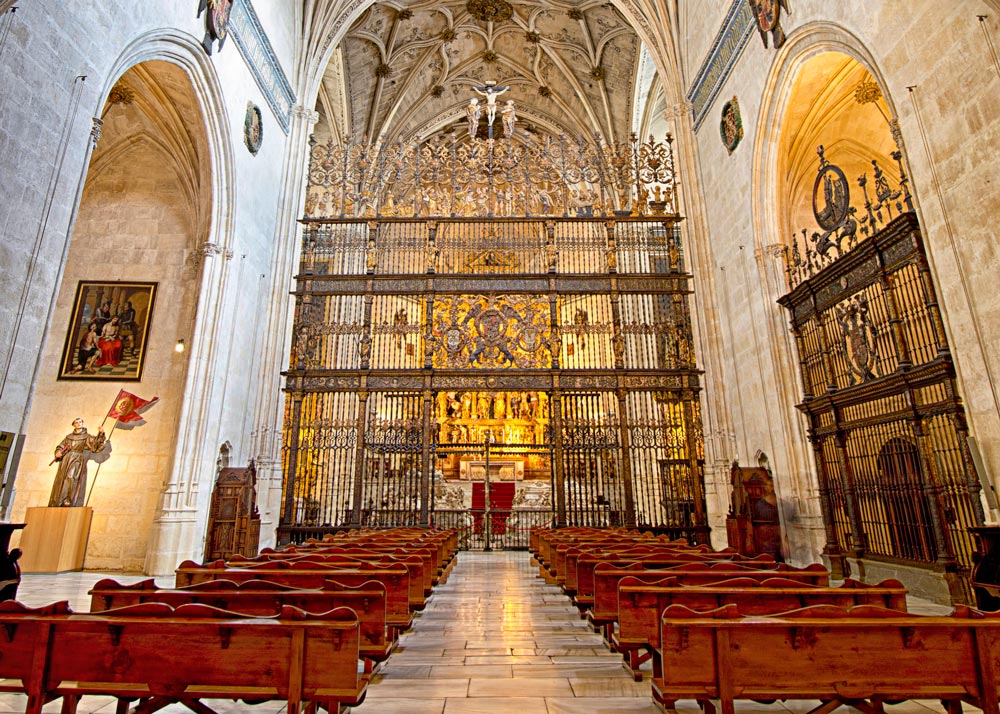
x=867 y=91
x=857 y=337
x=841 y=228
x=767 y=13
x=731 y=126
x=489 y=332
x=253 y=129
x=121 y=93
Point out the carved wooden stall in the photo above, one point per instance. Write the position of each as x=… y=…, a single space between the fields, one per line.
x=753 y=525
x=896 y=477
x=233 y=520
x=459 y=322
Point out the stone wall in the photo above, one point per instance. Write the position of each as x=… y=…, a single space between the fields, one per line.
x=939 y=49
x=153 y=492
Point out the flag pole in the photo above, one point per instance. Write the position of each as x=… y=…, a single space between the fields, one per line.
x=93 y=481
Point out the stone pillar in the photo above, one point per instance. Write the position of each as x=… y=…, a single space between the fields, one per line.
x=178 y=527
x=719 y=431
x=796 y=476
x=265 y=438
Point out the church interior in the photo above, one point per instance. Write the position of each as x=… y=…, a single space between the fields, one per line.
x=527 y=296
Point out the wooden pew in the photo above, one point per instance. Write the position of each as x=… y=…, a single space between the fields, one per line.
x=640 y=606
x=550 y=539
x=572 y=557
x=443 y=542
x=419 y=561
x=160 y=655
x=607 y=577
x=395 y=578
x=262 y=597
x=862 y=657
x=584 y=597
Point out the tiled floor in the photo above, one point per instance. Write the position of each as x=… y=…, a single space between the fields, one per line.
x=493 y=640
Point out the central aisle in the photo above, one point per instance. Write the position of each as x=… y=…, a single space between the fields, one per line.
x=496 y=639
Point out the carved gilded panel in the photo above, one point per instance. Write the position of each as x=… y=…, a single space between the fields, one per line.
x=489 y=332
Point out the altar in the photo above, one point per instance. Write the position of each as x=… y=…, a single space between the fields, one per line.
x=500 y=470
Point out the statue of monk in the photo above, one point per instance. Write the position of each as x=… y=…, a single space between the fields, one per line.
x=74 y=450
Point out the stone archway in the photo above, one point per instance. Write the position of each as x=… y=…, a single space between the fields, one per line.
x=153 y=210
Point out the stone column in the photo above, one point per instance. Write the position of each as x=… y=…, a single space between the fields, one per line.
x=793 y=460
x=265 y=438
x=178 y=527
x=719 y=432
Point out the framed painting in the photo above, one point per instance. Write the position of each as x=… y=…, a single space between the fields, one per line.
x=108 y=331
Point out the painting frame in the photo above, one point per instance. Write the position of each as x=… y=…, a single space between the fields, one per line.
x=120 y=314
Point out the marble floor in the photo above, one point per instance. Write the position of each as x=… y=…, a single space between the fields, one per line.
x=495 y=639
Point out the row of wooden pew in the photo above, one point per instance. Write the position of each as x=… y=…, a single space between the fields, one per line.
x=307 y=625
x=719 y=627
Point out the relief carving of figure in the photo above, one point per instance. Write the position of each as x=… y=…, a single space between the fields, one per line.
x=371 y=256
x=472 y=114
x=499 y=406
x=509 y=116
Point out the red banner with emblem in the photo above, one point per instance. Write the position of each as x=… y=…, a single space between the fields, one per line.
x=126 y=406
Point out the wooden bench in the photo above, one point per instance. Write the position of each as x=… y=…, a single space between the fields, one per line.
x=640 y=606
x=549 y=540
x=432 y=567
x=159 y=655
x=607 y=577
x=862 y=657
x=420 y=563
x=443 y=542
x=572 y=557
x=395 y=578
x=584 y=597
x=262 y=597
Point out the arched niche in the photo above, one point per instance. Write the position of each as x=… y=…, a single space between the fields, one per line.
x=835 y=103
x=145 y=212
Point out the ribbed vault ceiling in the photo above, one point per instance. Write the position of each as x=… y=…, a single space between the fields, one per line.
x=406 y=69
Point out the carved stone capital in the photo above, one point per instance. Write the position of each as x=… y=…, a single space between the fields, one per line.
x=208 y=250
x=680 y=109
x=310 y=116
x=776 y=250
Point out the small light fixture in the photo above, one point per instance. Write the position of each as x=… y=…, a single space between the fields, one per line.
x=179 y=347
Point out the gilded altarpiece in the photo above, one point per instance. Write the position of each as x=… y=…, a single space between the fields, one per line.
x=896 y=477
x=554 y=352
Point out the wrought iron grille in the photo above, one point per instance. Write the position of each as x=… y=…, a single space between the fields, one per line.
x=564 y=344
x=897 y=480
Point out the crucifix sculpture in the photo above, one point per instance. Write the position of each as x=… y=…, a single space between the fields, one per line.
x=491 y=92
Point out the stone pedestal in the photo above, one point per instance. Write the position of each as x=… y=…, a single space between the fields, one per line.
x=55 y=539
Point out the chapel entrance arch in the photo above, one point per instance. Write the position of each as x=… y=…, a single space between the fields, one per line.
x=128 y=293
x=878 y=387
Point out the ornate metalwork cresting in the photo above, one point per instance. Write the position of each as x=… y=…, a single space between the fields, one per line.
x=843 y=227
x=460 y=176
x=896 y=477
x=565 y=343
